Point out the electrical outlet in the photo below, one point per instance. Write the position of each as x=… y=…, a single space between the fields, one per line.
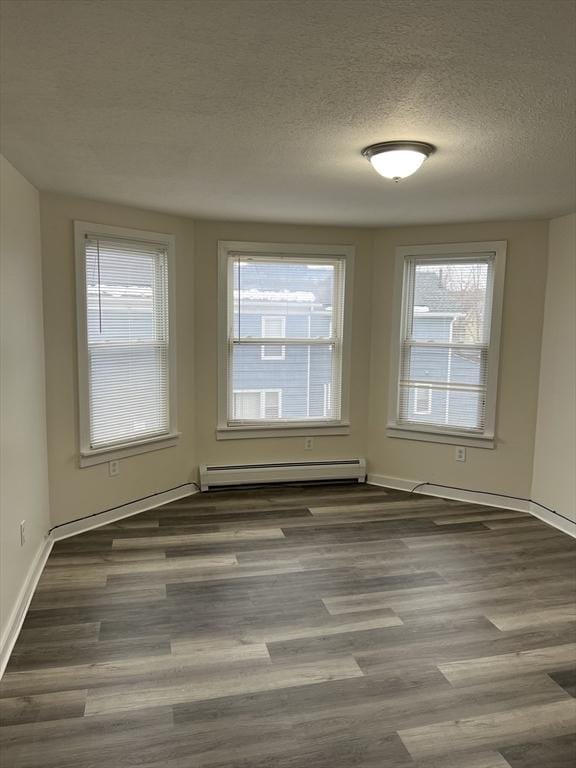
x=308 y=443
x=460 y=454
x=113 y=468
x=23 y=533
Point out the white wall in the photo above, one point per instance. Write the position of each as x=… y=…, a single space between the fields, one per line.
x=23 y=454
x=554 y=481
x=507 y=468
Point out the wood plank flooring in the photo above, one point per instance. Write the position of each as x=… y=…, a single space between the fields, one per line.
x=319 y=626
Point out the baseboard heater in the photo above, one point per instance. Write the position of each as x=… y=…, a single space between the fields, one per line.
x=214 y=476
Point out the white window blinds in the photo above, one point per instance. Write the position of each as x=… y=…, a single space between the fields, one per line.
x=285 y=328
x=445 y=340
x=127 y=333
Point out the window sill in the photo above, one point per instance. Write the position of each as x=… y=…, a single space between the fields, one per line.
x=447 y=438
x=286 y=430
x=115 y=452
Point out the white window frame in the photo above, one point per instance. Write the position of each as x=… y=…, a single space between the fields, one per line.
x=263 y=393
x=449 y=435
x=292 y=252
x=89 y=456
x=282 y=355
x=326 y=395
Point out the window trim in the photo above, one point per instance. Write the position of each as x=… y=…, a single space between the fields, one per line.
x=282 y=355
x=308 y=427
x=326 y=396
x=89 y=456
x=425 y=432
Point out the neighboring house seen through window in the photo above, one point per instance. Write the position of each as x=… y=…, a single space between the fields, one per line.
x=273 y=327
x=254 y=404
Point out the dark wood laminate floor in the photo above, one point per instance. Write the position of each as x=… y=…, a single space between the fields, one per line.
x=300 y=627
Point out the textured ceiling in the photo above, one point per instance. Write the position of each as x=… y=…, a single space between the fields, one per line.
x=259 y=109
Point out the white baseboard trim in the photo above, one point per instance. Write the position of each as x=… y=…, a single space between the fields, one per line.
x=125 y=510
x=16 y=619
x=390 y=482
x=473 y=497
x=564 y=525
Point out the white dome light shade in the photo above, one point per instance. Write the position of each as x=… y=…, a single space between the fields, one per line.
x=397 y=159
x=398 y=163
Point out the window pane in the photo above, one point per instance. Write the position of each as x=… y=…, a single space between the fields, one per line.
x=127 y=331
x=450 y=302
x=303 y=379
x=446 y=334
x=441 y=364
x=123 y=286
x=282 y=299
x=128 y=393
x=462 y=409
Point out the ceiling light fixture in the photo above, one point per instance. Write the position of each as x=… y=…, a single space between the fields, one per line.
x=397 y=159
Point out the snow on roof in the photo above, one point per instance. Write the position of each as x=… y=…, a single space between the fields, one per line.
x=254 y=294
x=421 y=311
x=141 y=291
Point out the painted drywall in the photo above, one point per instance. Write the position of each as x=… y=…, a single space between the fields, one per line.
x=554 y=480
x=508 y=467
x=23 y=451
x=210 y=450
x=76 y=492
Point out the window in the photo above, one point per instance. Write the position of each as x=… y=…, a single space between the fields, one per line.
x=446 y=343
x=254 y=404
x=273 y=328
x=284 y=339
x=125 y=342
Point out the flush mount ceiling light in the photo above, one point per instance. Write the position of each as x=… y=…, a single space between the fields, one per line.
x=397 y=159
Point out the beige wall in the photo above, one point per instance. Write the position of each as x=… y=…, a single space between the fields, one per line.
x=508 y=468
x=554 y=481
x=206 y=255
x=23 y=458
x=76 y=492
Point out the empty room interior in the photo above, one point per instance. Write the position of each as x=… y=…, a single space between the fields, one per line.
x=288 y=384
